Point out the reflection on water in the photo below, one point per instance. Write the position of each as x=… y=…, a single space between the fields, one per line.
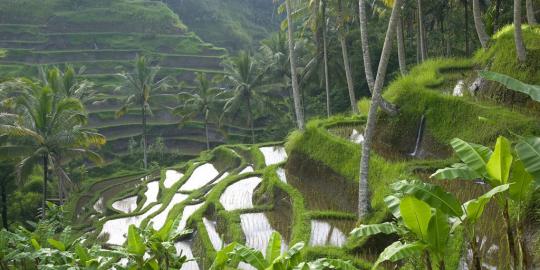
x=281 y=174
x=117 y=229
x=161 y=218
x=326 y=233
x=203 y=175
x=184 y=248
x=188 y=211
x=258 y=230
x=126 y=205
x=151 y=194
x=210 y=225
x=98 y=206
x=239 y=195
x=171 y=177
x=273 y=154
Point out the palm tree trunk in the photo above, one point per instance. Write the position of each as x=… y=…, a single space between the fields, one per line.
x=530 y=13
x=421 y=32
x=45 y=180
x=364 y=37
x=294 y=77
x=518 y=35
x=346 y=63
x=250 y=120
x=145 y=154
x=497 y=16
x=363 y=192
x=401 y=47
x=479 y=25
x=3 y=193
x=206 y=130
x=467 y=45
x=325 y=54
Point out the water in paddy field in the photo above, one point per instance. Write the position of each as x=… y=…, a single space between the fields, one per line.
x=171 y=177
x=203 y=175
x=184 y=248
x=98 y=206
x=159 y=220
x=126 y=205
x=247 y=169
x=210 y=226
x=273 y=154
x=186 y=214
x=281 y=174
x=356 y=137
x=240 y=194
x=258 y=230
x=151 y=194
x=329 y=233
x=117 y=229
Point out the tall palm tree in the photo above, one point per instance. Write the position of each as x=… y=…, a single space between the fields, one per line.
x=530 y=13
x=363 y=187
x=141 y=87
x=48 y=129
x=246 y=78
x=205 y=100
x=401 y=46
x=421 y=32
x=294 y=77
x=342 y=23
x=479 y=25
x=518 y=34
x=364 y=38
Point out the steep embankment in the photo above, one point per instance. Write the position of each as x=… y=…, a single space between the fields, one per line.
x=104 y=37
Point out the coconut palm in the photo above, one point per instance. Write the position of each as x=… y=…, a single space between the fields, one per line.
x=246 y=78
x=363 y=192
x=294 y=77
x=479 y=25
x=67 y=82
x=530 y=13
x=518 y=35
x=48 y=129
x=141 y=87
x=342 y=23
x=205 y=100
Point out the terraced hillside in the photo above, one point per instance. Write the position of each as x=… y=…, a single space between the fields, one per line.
x=104 y=37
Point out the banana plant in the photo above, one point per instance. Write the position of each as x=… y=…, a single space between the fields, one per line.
x=427 y=214
x=519 y=168
x=274 y=259
x=516 y=85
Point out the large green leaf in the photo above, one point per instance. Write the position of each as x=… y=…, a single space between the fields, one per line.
x=249 y=256
x=532 y=90
x=325 y=264
x=56 y=244
x=222 y=257
x=372 y=229
x=438 y=232
x=416 y=215
x=475 y=208
x=392 y=202
x=528 y=151
x=498 y=166
x=273 y=250
x=474 y=155
x=434 y=195
x=135 y=244
x=456 y=171
x=521 y=182
x=398 y=251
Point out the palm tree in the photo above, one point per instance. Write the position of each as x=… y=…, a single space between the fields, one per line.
x=245 y=77
x=530 y=13
x=479 y=25
x=48 y=130
x=294 y=77
x=205 y=100
x=363 y=191
x=67 y=82
x=6 y=174
x=518 y=35
x=141 y=87
x=421 y=32
x=401 y=46
x=364 y=38
x=342 y=39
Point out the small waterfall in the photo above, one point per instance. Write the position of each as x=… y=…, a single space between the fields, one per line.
x=419 y=136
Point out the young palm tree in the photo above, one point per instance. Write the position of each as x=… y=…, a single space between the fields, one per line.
x=141 y=87
x=479 y=25
x=245 y=77
x=363 y=192
x=67 y=82
x=205 y=100
x=294 y=77
x=47 y=130
x=518 y=34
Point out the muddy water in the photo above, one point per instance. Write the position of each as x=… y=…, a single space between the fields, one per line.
x=184 y=248
x=240 y=194
x=203 y=175
x=257 y=230
x=273 y=154
x=126 y=205
x=117 y=229
x=210 y=225
x=151 y=194
x=171 y=177
x=329 y=233
x=159 y=220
